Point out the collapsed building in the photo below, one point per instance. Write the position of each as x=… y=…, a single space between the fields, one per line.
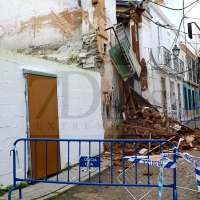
x=108 y=40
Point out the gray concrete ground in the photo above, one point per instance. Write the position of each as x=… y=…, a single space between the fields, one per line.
x=42 y=191
x=186 y=184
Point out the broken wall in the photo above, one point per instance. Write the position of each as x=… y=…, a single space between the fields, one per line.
x=68 y=32
x=110 y=80
x=79 y=106
x=97 y=16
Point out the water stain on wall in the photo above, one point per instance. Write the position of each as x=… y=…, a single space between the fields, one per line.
x=67 y=22
x=100 y=18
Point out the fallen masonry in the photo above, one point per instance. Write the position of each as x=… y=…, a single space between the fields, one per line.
x=142 y=120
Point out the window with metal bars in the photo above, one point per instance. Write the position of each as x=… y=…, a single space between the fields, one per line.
x=176 y=64
x=198 y=72
x=179 y=95
x=189 y=66
x=181 y=65
x=164 y=94
x=167 y=57
x=194 y=71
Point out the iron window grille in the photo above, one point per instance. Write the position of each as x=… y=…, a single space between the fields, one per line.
x=179 y=95
x=166 y=58
x=164 y=94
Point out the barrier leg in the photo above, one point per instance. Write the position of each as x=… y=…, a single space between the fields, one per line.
x=14 y=188
x=175 y=195
x=20 y=192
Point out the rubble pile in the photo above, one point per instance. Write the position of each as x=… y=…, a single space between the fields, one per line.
x=150 y=123
x=142 y=120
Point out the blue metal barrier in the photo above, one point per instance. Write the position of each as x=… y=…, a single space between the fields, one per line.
x=86 y=160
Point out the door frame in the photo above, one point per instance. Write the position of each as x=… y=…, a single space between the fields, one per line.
x=25 y=72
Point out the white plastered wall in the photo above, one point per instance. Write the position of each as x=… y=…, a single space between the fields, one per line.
x=77 y=88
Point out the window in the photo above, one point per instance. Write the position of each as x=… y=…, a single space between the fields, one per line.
x=189 y=99
x=176 y=64
x=168 y=40
x=194 y=71
x=198 y=72
x=185 y=97
x=172 y=94
x=164 y=93
x=193 y=99
x=189 y=67
x=199 y=99
x=182 y=64
x=135 y=40
x=179 y=95
x=190 y=30
x=159 y=30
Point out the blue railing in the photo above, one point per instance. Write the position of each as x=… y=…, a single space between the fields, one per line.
x=84 y=149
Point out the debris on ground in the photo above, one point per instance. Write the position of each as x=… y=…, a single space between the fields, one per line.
x=142 y=120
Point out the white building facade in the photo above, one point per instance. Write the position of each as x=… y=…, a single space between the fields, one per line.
x=167 y=71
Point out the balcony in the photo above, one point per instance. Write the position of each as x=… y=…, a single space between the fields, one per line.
x=122 y=54
x=166 y=58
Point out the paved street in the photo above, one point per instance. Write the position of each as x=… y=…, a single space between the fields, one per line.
x=43 y=191
x=186 y=183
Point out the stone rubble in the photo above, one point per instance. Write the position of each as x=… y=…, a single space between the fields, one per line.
x=150 y=123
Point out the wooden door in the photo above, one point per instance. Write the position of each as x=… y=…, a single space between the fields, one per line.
x=43 y=121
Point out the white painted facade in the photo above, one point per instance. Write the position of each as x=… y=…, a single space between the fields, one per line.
x=145 y=37
x=164 y=38
x=79 y=96
x=192 y=45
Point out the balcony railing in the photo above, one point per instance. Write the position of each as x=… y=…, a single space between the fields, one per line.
x=176 y=64
x=181 y=65
x=166 y=58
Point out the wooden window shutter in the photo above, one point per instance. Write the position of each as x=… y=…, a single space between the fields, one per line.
x=135 y=41
x=133 y=38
